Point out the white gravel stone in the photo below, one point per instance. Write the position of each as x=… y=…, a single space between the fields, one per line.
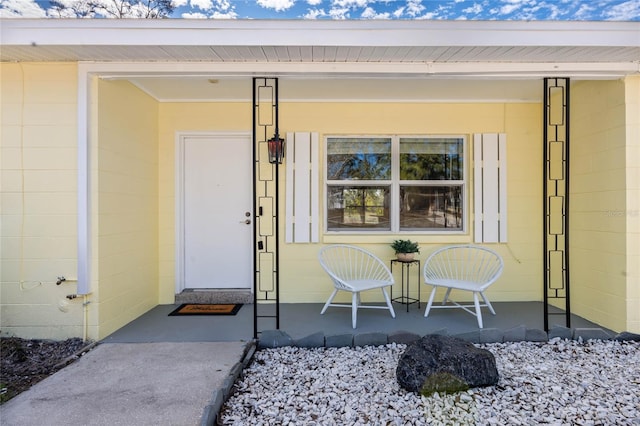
x=561 y=382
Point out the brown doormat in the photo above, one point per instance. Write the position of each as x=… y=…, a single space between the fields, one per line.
x=206 y=309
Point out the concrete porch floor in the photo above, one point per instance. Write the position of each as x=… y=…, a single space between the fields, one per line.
x=303 y=319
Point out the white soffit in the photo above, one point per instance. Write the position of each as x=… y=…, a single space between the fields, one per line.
x=345 y=90
x=318 y=42
x=173 y=59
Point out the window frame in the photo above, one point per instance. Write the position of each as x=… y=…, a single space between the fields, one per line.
x=395 y=183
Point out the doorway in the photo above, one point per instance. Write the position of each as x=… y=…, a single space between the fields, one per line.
x=214 y=196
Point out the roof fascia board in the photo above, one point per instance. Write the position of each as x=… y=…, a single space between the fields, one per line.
x=362 y=70
x=173 y=32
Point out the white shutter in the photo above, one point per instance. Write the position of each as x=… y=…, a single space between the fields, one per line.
x=490 y=187
x=302 y=188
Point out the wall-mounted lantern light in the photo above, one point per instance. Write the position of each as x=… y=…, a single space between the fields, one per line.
x=276 y=149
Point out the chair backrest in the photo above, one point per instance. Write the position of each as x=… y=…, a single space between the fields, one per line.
x=346 y=263
x=468 y=263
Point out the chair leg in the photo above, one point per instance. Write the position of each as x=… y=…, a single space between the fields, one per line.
x=446 y=296
x=433 y=294
x=354 y=308
x=478 y=311
x=386 y=297
x=486 y=301
x=326 y=305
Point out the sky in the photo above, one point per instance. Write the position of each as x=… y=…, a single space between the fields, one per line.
x=517 y=10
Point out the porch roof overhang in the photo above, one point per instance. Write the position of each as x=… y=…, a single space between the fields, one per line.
x=419 y=49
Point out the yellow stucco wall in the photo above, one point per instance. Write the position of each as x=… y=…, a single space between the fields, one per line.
x=632 y=100
x=604 y=190
x=38 y=185
x=126 y=215
x=39 y=205
x=185 y=117
x=302 y=279
x=133 y=205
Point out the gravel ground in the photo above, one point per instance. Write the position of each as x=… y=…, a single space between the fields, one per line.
x=561 y=382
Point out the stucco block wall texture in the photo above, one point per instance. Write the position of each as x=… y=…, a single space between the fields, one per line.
x=632 y=100
x=603 y=219
x=185 y=117
x=38 y=188
x=39 y=205
x=127 y=208
x=302 y=279
x=133 y=196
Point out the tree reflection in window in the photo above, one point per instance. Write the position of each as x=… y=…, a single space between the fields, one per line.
x=431 y=159
x=397 y=183
x=358 y=159
x=430 y=207
x=358 y=207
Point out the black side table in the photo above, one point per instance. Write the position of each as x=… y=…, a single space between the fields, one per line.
x=406 y=280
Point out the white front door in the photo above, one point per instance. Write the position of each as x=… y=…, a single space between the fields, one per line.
x=217 y=211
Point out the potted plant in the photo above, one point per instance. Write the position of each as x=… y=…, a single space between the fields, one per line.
x=405 y=249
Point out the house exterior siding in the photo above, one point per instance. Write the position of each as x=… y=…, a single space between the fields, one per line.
x=38 y=229
x=632 y=160
x=125 y=211
x=604 y=197
x=133 y=196
x=191 y=117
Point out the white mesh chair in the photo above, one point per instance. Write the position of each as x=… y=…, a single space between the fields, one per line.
x=355 y=270
x=463 y=267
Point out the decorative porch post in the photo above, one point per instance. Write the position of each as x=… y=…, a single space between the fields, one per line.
x=556 y=199
x=267 y=152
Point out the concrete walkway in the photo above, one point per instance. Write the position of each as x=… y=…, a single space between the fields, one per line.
x=129 y=384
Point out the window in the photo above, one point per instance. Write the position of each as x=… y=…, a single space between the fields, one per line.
x=395 y=183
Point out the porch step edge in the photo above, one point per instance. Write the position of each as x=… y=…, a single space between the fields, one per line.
x=214 y=296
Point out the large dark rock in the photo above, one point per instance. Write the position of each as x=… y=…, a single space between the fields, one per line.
x=438 y=363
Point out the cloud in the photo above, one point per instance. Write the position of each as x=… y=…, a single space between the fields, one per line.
x=226 y=15
x=475 y=9
x=554 y=12
x=314 y=14
x=223 y=5
x=215 y=15
x=583 y=12
x=314 y=2
x=350 y=3
x=442 y=11
x=339 y=13
x=398 y=12
x=414 y=8
x=509 y=8
x=370 y=13
x=21 y=9
x=626 y=11
x=202 y=4
x=194 y=15
x=277 y=5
